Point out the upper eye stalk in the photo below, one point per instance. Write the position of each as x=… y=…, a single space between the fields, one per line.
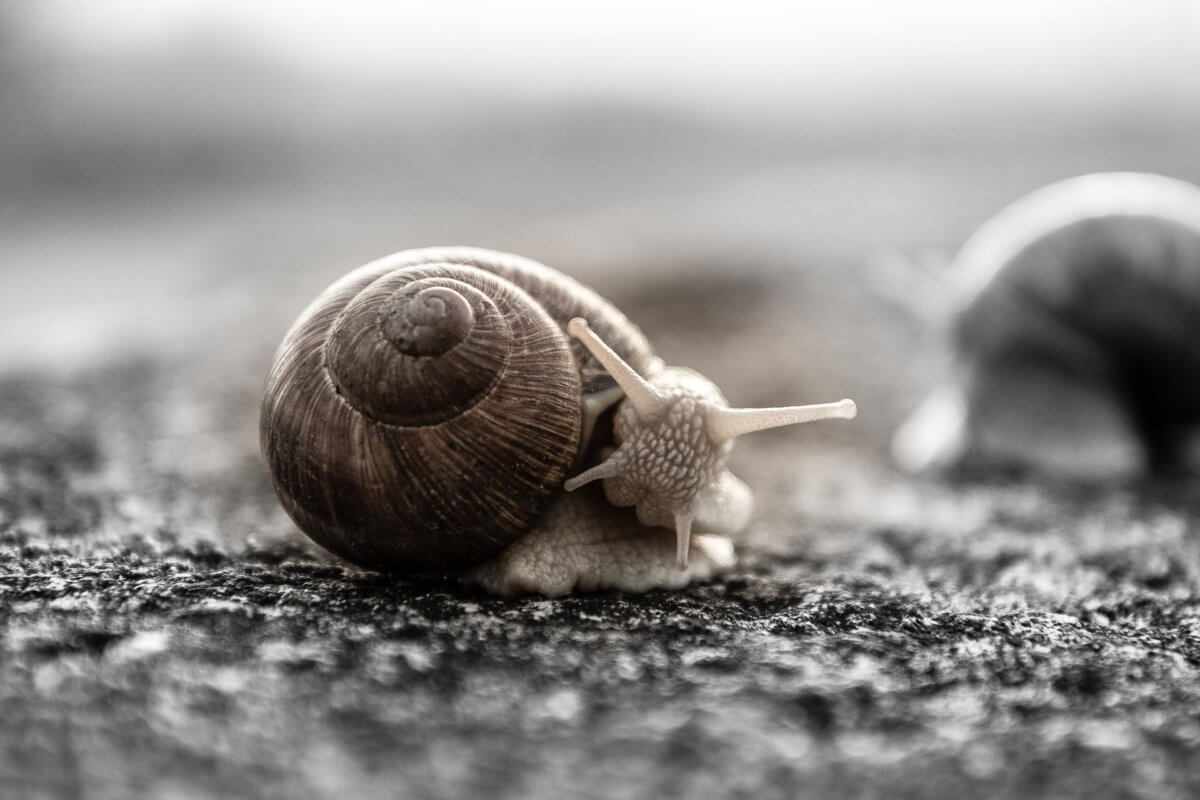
x=674 y=434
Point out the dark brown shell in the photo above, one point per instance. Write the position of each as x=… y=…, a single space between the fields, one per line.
x=422 y=411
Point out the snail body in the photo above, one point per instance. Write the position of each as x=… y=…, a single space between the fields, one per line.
x=425 y=411
x=1075 y=335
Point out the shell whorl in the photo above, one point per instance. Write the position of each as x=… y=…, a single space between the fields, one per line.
x=561 y=296
x=415 y=349
x=422 y=411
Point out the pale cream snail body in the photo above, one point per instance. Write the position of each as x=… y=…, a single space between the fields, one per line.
x=435 y=411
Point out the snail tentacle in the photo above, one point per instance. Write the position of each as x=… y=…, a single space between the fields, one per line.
x=641 y=394
x=605 y=469
x=683 y=537
x=729 y=423
x=674 y=434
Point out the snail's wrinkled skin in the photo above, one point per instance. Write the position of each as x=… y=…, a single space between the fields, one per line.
x=1075 y=336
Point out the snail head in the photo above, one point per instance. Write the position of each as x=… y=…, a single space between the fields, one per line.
x=674 y=432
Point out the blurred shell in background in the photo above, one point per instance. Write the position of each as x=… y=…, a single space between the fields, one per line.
x=1076 y=344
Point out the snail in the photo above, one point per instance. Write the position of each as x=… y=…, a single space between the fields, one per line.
x=464 y=410
x=1076 y=337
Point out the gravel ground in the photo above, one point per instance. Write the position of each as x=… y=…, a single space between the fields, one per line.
x=164 y=632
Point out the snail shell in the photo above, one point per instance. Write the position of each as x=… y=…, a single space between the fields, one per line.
x=422 y=411
x=1077 y=344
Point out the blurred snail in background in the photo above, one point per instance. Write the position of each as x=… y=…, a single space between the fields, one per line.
x=1077 y=338
x=451 y=409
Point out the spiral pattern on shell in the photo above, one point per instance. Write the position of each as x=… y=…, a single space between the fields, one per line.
x=421 y=412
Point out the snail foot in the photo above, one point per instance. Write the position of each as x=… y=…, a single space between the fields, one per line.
x=585 y=544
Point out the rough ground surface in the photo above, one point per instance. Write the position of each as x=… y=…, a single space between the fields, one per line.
x=165 y=633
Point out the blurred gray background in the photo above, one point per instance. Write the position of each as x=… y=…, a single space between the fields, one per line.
x=165 y=164
x=179 y=178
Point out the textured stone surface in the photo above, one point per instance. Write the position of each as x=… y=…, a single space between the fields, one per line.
x=165 y=633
